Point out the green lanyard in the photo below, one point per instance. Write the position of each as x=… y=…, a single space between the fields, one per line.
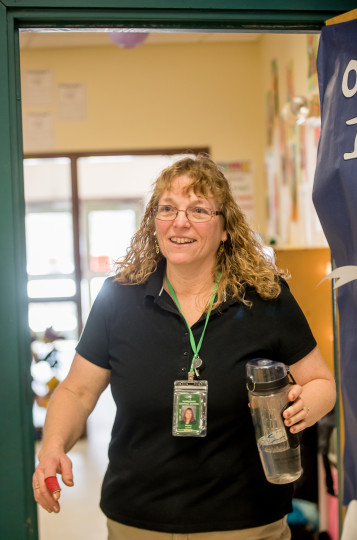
x=195 y=349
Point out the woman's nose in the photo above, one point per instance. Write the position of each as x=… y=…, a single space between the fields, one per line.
x=181 y=218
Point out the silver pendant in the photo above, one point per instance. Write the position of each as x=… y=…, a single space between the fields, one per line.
x=196 y=364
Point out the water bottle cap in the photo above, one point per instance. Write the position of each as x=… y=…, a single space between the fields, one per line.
x=264 y=375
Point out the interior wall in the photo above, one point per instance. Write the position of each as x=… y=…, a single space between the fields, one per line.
x=292 y=130
x=159 y=96
x=289 y=50
x=182 y=95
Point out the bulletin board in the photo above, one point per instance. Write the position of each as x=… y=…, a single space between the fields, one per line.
x=241 y=178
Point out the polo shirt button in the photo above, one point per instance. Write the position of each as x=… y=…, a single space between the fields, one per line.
x=185 y=353
x=183 y=369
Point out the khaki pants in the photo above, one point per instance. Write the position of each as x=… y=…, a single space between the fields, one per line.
x=278 y=530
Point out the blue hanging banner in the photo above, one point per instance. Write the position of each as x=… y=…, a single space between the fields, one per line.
x=335 y=200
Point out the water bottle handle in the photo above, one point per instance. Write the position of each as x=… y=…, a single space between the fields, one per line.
x=291 y=377
x=293 y=438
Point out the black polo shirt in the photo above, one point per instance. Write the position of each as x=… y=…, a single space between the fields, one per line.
x=187 y=484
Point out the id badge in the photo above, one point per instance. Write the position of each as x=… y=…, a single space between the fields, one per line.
x=189 y=417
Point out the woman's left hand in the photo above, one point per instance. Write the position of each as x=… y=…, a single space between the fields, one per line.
x=295 y=415
x=314 y=396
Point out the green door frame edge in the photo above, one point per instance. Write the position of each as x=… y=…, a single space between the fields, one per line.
x=18 y=514
x=17 y=508
x=161 y=17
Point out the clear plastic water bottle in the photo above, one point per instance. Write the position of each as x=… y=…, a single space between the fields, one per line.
x=279 y=449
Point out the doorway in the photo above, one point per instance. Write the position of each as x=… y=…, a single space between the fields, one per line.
x=226 y=105
x=14 y=337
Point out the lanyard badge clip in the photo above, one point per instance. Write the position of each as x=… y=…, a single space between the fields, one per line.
x=189 y=416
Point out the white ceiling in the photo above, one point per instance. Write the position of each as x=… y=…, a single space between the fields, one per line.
x=34 y=40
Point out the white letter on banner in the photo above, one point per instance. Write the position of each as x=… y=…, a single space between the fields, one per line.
x=348 y=92
x=351 y=155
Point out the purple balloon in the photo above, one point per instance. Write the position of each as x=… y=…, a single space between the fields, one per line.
x=128 y=40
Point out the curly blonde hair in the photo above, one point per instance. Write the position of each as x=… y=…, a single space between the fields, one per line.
x=242 y=261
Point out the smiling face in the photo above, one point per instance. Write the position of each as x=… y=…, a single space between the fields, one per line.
x=188 y=415
x=182 y=242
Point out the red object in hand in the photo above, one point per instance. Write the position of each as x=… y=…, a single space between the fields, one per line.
x=52 y=484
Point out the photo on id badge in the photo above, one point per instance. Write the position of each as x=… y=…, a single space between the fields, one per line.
x=188 y=413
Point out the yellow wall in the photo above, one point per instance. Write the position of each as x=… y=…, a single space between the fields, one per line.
x=158 y=96
x=286 y=49
x=171 y=95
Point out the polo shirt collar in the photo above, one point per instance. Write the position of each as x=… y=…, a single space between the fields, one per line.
x=155 y=281
x=154 y=286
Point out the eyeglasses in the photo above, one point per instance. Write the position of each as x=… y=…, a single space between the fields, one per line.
x=196 y=214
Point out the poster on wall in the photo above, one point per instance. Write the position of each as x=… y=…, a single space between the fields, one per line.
x=312 y=47
x=240 y=176
x=275 y=86
x=72 y=101
x=289 y=173
x=38 y=132
x=37 y=87
x=289 y=76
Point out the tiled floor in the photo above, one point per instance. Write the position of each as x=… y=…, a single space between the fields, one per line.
x=80 y=516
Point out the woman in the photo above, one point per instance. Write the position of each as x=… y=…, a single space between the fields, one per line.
x=194 y=284
x=187 y=417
